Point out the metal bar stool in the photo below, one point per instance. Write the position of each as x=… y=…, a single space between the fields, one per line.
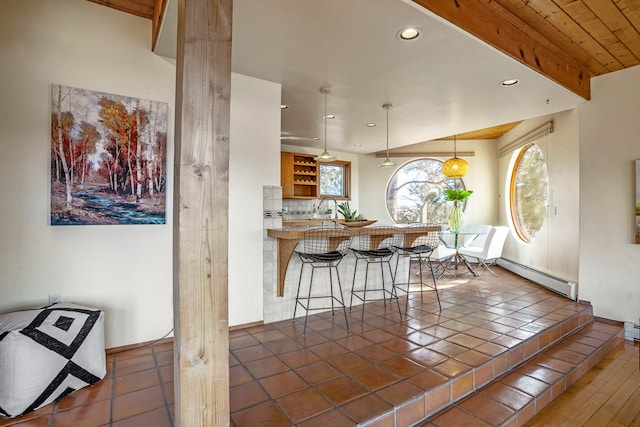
x=322 y=248
x=375 y=245
x=420 y=241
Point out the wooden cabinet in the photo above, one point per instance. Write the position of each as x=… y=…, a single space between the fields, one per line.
x=298 y=176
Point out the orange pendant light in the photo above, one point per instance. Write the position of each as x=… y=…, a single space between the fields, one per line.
x=455 y=167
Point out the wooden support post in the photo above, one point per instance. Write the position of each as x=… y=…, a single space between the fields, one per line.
x=201 y=194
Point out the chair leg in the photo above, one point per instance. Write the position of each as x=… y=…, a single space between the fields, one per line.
x=333 y=310
x=406 y=303
x=435 y=283
x=295 y=306
x=344 y=307
x=364 y=293
x=486 y=266
x=353 y=283
x=433 y=270
x=306 y=315
x=392 y=293
x=384 y=288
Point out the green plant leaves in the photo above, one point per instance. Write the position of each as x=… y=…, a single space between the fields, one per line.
x=349 y=215
x=451 y=195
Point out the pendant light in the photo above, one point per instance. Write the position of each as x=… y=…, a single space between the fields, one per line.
x=455 y=167
x=387 y=162
x=325 y=156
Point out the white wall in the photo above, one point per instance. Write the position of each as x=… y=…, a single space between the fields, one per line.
x=555 y=247
x=482 y=207
x=609 y=143
x=124 y=269
x=254 y=160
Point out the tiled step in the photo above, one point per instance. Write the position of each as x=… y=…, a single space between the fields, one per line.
x=444 y=392
x=516 y=396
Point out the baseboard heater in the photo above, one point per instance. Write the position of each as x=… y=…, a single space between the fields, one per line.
x=556 y=284
x=632 y=331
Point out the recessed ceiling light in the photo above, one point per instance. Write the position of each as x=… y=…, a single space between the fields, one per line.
x=370 y=125
x=410 y=33
x=283 y=106
x=330 y=116
x=509 y=82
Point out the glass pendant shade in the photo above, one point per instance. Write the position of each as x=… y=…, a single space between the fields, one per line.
x=325 y=156
x=455 y=167
x=387 y=162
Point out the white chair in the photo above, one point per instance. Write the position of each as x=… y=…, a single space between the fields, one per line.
x=474 y=235
x=491 y=251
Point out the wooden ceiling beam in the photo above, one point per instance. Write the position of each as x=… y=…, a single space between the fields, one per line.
x=156 y=22
x=493 y=132
x=141 y=8
x=482 y=21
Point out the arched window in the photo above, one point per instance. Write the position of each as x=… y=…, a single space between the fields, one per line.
x=529 y=192
x=415 y=192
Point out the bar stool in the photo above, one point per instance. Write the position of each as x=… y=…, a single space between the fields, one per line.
x=322 y=248
x=375 y=245
x=420 y=242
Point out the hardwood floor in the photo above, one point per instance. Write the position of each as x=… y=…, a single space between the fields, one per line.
x=607 y=395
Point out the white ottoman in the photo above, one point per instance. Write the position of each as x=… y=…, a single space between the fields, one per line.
x=48 y=353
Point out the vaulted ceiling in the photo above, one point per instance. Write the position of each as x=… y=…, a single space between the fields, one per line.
x=444 y=84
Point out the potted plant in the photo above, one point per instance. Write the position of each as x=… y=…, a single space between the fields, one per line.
x=456 y=215
x=349 y=215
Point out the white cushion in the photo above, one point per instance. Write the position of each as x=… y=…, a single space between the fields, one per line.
x=47 y=353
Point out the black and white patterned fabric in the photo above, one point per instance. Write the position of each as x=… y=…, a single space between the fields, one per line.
x=48 y=353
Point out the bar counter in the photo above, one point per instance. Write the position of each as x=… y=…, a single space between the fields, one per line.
x=288 y=238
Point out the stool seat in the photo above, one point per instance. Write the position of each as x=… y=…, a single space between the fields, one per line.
x=374 y=253
x=325 y=257
x=47 y=353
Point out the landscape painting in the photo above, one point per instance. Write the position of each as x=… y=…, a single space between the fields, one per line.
x=108 y=158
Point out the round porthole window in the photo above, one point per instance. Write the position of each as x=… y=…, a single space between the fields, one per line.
x=529 y=192
x=415 y=192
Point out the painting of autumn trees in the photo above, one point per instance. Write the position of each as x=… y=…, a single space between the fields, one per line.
x=108 y=158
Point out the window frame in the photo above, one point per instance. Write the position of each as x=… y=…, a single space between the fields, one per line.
x=518 y=226
x=346 y=185
x=447 y=205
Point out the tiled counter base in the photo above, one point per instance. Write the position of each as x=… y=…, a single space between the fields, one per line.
x=517 y=396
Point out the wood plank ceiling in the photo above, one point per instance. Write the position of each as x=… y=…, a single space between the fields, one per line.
x=569 y=41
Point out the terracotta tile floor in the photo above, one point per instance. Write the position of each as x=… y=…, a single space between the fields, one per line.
x=334 y=376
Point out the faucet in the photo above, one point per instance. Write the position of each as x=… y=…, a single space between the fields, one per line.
x=334 y=215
